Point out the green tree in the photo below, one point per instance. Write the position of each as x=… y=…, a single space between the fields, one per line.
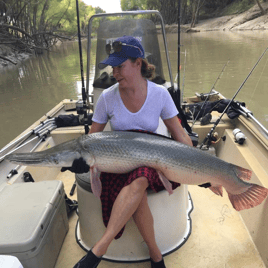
x=133 y=5
x=38 y=24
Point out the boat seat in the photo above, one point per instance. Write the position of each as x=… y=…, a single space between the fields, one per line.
x=105 y=81
x=171 y=215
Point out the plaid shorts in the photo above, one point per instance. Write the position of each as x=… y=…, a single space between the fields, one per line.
x=113 y=183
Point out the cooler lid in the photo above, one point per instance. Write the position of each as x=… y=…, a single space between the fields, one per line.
x=26 y=210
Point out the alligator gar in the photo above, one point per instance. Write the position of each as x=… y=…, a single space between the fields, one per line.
x=124 y=151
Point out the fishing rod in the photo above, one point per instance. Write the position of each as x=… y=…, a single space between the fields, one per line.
x=39 y=135
x=179 y=44
x=84 y=95
x=183 y=80
x=208 y=137
x=14 y=171
x=24 y=137
x=207 y=97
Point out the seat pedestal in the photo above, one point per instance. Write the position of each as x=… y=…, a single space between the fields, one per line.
x=171 y=222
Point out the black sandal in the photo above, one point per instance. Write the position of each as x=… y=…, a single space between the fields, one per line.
x=88 y=261
x=159 y=264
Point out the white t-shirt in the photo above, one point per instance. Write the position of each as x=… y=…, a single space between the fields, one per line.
x=158 y=103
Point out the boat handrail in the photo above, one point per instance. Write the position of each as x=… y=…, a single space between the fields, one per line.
x=125 y=13
x=246 y=113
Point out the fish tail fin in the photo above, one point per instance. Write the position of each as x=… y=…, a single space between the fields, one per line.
x=252 y=197
x=216 y=190
x=242 y=173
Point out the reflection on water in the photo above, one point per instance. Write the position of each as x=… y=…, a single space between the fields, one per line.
x=206 y=55
x=30 y=90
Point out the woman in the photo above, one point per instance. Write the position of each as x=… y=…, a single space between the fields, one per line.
x=132 y=103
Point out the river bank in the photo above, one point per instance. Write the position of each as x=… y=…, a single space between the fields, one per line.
x=10 y=57
x=251 y=19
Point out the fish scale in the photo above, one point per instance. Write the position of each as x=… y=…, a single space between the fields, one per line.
x=124 y=151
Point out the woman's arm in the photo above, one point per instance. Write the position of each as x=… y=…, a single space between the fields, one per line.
x=96 y=127
x=177 y=131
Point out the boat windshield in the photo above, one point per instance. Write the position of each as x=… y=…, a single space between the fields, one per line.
x=111 y=26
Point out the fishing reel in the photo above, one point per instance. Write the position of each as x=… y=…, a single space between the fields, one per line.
x=81 y=110
x=215 y=137
x=239 y=136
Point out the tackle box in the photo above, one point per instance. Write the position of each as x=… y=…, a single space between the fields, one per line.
x=33 y=222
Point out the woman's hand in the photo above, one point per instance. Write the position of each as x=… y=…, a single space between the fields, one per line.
x=79 y=166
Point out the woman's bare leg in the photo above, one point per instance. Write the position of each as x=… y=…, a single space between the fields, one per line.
x=124 y=206
x=145 y=223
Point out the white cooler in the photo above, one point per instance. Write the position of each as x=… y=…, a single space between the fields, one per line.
x=33 y=222
x=9 y=262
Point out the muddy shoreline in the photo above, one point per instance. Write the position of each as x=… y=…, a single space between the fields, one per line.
x=251 y=20
x=13 y=57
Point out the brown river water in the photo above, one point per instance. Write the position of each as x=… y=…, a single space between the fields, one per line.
x=31 y=89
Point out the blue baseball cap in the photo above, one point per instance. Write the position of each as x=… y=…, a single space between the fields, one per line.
x=131 y=48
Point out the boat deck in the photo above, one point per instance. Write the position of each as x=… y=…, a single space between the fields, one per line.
x=219 y=238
